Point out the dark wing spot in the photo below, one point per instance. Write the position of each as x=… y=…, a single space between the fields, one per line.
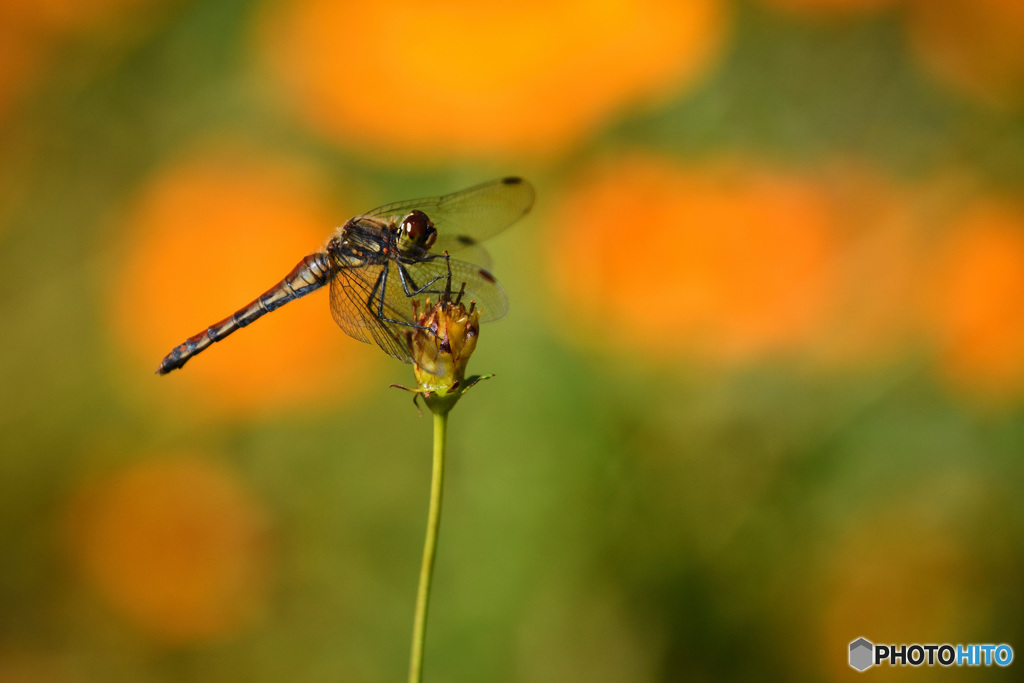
x=465 y=240
x=511 y=180
x=487 y=276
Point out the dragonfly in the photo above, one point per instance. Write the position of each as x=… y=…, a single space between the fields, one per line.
x=379 y=263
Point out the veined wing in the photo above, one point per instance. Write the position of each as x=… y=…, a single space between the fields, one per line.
x=363 y=308
x=470 y=216
x=477 y=285
x=375 y=302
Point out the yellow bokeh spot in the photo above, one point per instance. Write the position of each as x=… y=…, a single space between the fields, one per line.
x=476 y=78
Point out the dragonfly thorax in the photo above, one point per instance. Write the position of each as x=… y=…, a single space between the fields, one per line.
x=361 y=241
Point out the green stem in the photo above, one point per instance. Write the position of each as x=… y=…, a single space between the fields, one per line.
x=419 y=629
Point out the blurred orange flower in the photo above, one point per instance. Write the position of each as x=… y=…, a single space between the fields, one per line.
x=977 y=300
x=829 y=8
x=724 y=265
x=29 y=30
x=177 y=545
x=476 y=78
x=976 y=46
x=208 y=235
x=879 y=272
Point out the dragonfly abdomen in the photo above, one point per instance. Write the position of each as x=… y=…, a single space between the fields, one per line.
x=311 y=273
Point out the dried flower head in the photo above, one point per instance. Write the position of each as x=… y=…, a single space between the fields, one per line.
x=441 y=344
x=442 y=347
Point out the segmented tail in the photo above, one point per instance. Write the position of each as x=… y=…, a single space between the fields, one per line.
x=311 y=273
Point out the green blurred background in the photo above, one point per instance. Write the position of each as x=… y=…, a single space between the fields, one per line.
x=759 y=392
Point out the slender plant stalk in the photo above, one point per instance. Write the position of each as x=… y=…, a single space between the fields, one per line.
x=419 y=629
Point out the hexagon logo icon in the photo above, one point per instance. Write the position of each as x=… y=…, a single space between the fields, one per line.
x=861 y=654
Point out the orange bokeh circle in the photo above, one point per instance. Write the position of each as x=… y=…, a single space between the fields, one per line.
x=650 y=256
x=975 y=46
x=30 y=30
x=207 y=236
x=177 y=545
x=472 y=78
x=976 y=302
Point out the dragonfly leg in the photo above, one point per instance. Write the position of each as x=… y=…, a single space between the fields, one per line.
x=379 y=288
x=412 y=289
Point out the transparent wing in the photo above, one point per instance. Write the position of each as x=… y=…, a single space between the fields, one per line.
x=475 y=254
x=466 y=218
x=477 y=284
x=362 y=305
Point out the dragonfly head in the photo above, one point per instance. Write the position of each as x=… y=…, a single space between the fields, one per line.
x=416 y=231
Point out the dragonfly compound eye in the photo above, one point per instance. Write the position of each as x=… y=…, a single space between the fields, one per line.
x=419 y=230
